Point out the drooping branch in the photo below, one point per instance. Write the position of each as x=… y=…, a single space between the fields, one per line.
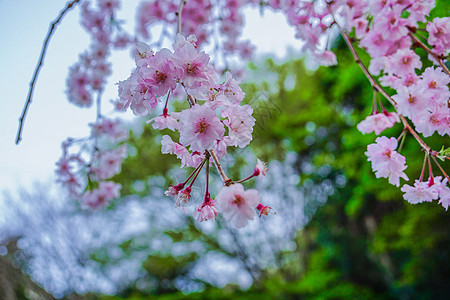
x=429 y=51
x=50 y=32
x=369 y=76
x=379 y=88
x=179 y=12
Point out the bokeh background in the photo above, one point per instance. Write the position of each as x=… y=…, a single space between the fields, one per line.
x=338 y=233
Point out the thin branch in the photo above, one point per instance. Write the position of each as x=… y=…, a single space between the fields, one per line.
x=226 y=181
x=429 y=51
x=440 y=168
x=178 y=13
x=415 y=135
x=39 y=65
x=245 y=179
x=369 y=76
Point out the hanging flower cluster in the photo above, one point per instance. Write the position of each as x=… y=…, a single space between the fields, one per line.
x=214 y=121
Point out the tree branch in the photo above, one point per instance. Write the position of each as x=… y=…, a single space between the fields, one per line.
x=39 y=65
x=429 y=51
x=226 y=181
x=178 y=13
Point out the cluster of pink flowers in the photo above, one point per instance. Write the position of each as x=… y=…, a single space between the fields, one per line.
x=377 y=122
x=203 y=125
x=387 y=30
x=427 y=191
x=87 y=163
x=386 y=162
x=233 y=202
x=214 y=120
x=88 y=75
x=201 y=18
x=85 y=167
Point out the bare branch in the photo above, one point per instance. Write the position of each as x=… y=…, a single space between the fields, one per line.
x=226 y=181
x=179 y=11
x=39 y=65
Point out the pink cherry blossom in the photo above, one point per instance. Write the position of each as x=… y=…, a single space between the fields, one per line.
x=113 y=129
x=445 y=198
x=101 y=196
x=236 y=204
x=165 y=121
x=169 y=146
x=410 y=101
x=162 y=72
x=240 y=124
x=264 y=210
x=260 y=169
x=231 y=89
x=404 y=62
x=193 y=65
x=439 y=35
x=173 y=190
x=420 y=192
x=390 y=24
x=378 y=122
x=200 y=128
x=206 y=210
x=110 y=163
x=386 y=162
x=183 y=199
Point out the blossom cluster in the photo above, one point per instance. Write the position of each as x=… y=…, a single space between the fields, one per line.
x=88 y=75
x=86 y=165
x=214 y=120
x=388 y=31
x=222 y=20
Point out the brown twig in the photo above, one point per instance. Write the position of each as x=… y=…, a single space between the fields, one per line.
x=429 y=51
x=369 y=76
x=39 y=65
x=415 y=135
x=440 y=168
x=226 y=181
x=178 y=13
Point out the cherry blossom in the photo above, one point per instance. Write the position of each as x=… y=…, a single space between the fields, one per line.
x=206 y=210
x=240 y=124
x=183 y=199
x=261 y=169
x=200 y=128
x=386 y=162
x=236 y=204
x=378 y=122
x=420 y=192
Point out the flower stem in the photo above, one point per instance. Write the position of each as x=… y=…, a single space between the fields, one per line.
x=226 y=181
x=440 y=168
x=193 y=172
x=429 y=51
x=245 y=179
x=423 y=167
